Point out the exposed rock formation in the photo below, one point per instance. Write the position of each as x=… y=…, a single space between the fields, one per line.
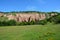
x=21 y=17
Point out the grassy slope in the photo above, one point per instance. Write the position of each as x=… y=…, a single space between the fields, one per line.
x=32 y=32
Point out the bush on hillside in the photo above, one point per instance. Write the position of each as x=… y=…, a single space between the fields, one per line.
x=42 y=22
x=54 y=19
x=11 y=22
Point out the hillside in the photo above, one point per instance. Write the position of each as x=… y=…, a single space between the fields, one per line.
x=27 y=15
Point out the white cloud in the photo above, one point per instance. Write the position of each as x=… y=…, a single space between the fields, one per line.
x=31 y=8
x=57 y=10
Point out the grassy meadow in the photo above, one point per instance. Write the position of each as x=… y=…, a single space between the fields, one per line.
x=30 y=32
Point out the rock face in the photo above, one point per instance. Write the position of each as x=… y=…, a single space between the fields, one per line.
x=1 y=14
x=21 y=17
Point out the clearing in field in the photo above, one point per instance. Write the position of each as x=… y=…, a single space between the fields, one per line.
x=30 y=32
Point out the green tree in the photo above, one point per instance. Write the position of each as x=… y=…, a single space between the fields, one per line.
x=11 y=22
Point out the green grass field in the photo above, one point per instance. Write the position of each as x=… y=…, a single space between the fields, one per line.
x=30 y=32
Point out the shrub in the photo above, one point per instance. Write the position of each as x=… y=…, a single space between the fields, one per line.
x=11 y=22
x=32 y=22
x=43 y=22
x=3 y=23
x=54 y=19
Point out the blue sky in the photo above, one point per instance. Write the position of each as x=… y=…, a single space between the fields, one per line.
x=30 y=5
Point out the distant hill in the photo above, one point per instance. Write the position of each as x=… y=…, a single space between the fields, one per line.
x=27 y=15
